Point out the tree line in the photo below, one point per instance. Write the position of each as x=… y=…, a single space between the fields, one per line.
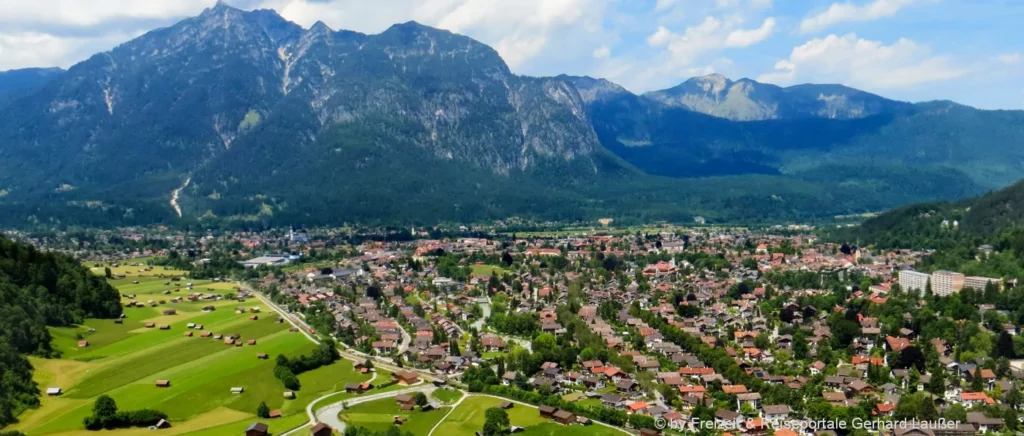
x=40 y=289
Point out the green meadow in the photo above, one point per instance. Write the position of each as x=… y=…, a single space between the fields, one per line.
x=468 y=418
x=125 y=360
x=379 y=415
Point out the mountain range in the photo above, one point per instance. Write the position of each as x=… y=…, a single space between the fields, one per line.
x=243 y=117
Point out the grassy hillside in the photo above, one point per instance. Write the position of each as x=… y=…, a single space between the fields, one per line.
x=124 y=360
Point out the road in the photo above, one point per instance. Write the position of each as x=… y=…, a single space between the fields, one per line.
x=406 y=340
x=352 y=355
x=329 y=414
x=479 y=326
x=304 y=328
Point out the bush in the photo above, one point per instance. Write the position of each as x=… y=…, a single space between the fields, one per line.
x=106 y=416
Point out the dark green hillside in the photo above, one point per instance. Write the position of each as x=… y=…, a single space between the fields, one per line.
x=37 y=290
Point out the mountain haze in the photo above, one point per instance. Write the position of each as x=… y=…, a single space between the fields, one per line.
x=243 y=117
x=747 y=100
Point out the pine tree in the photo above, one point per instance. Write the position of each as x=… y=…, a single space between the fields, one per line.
x=262 y=410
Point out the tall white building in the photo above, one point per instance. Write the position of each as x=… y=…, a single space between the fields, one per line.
x=946 y=282
x=913 y=281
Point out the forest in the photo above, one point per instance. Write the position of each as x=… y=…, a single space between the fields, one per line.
x=40 y=289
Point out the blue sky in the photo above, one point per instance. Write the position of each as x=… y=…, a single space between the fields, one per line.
x=967 y=51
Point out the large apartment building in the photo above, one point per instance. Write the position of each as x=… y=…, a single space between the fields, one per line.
x=979 y=283
x=945 y=283
x=913 y=281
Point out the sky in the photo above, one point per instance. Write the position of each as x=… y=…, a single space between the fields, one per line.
x=967 y=51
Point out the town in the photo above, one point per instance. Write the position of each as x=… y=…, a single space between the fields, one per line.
x=647 y=331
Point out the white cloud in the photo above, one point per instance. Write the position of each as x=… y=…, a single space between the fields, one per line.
x=664 y=5
x=93 y=12
x=521 y=30
x=602 y=52
x=696 y=50
x=746 y=38
x=710 y=35
x=35 y=49
x=1010 y=58
x=849 y=12
x=660 y=37
x=862 y=63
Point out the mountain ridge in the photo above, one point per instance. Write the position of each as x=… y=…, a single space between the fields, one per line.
x=271 y=122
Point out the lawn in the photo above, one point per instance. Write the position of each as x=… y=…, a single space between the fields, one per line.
x=124 y=360
x=447 y=396
x=486 y=270
x=468 y=418
x=379 y=416
x=381 y=384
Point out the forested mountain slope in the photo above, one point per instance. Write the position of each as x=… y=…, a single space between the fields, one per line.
x=242 y=118
x=37 y=290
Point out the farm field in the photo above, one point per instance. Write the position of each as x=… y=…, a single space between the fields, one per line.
x=379 y=416
x=124 y=361
x=468 y=418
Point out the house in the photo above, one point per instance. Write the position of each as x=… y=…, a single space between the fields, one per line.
x=289 y=395
x=406 y=400
x=626 y=386
x=835 y=398
x=321 y=429
x=53 y=392
x=975 y=398
x=776 y=412
x=727 y=418
x=275 y=414
x=492 y=343
x=237 y=390
x=613 y=400
x=257 y=429
x=637 y=407
x=752 y=398
x=884 y=409
x=405 y=377
x=982 y=423
x=860 y=387
x=546 y=411
x=564 y=417
x=162 y=424
x=356 y=388
x=163 y=383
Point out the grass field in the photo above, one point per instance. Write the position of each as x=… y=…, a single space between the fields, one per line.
x=468 y=418
x=488 y=270
x=124 y=361
x=379 y=416
x=447 y=396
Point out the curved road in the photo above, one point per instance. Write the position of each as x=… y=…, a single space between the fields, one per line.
x=329 y=414
x=304 y=328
